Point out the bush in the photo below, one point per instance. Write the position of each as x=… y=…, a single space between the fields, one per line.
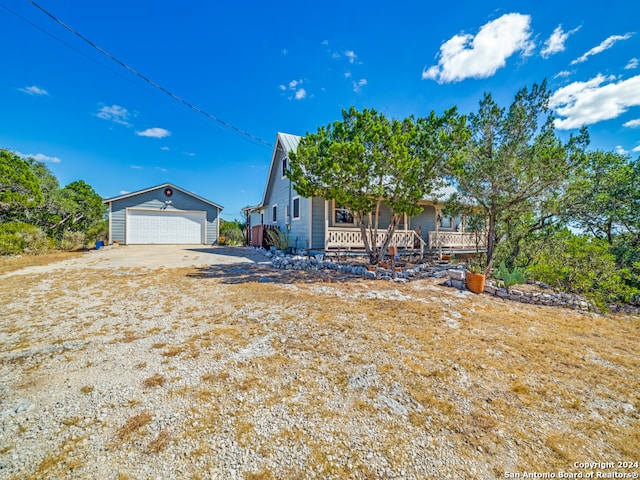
x=20 y=237
x=582 y=265
x=231 y=233
x=97 y=231
x=11 y=242
x=71 y=240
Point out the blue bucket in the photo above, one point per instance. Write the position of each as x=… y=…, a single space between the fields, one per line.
x=99 y=244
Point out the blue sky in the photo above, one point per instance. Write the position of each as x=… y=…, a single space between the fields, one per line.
x=266 y=67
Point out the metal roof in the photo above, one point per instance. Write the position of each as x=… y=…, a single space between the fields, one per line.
x=289 y=142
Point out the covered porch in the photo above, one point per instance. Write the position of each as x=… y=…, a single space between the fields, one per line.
x=429 y=232
x=340 y=238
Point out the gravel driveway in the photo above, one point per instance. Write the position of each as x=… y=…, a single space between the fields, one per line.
x=178 y=362
x=153 y=257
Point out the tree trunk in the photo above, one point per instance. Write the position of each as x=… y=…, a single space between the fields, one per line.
x=491 y=233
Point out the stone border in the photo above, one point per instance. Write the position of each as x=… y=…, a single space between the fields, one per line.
x=304 y=261
x=455 y=278
x=552 y=299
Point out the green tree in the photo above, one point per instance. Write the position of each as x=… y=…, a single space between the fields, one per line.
x=604 y=199
x=49 y=214
x=19 y=187
x=513 y=162
x=367 y=160
x=83 y=206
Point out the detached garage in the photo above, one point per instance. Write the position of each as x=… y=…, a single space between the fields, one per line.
x=165 y=214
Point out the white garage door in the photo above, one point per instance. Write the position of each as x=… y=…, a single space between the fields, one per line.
x=165 y=227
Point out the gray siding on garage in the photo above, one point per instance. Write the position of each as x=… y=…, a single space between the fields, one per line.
x=155 y=200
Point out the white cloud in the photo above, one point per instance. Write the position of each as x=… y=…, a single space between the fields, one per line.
x=632 y=123
x=351 y=55
x=636 y=149
x=164 y=149
x=555 y=43
x=294 y=86
x=154 y=133
x=325 y=42
x=633 y=63
x=41 y=157
x=465 y=56
x=620 y=150
x=123 y=192
x=598 y=99
x=563 y=73
x=357 y=86
x=115 y=114
x=605 y=45
x=136 y=167
x=347 y=74
x=33 y=90
x=285 y=51
x=189 y=154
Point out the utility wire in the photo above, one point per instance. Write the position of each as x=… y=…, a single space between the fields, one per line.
x=151 y=82
x=50 y=34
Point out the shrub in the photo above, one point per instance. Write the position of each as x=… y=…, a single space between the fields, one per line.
x=19 y=237
x=71 y=240
x=11 y=242
x=36 y=240
x=278 y=239
x=231 y=232
x=580 y=264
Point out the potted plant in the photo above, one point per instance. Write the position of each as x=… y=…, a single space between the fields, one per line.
x=475 y=278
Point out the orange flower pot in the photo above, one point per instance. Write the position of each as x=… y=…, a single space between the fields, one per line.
x=475 y=282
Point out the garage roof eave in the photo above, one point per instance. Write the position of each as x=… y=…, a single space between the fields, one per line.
x=164 y=185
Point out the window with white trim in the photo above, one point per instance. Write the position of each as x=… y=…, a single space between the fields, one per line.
x=284 y=166
x=274 y=213
x=296 y=208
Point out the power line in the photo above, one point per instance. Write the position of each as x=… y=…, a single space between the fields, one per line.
x=50 y=34
x=151 y=82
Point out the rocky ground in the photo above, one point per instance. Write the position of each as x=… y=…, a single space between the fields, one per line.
x=172 y=363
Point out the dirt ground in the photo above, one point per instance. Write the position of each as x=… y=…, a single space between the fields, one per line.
x=191 y=362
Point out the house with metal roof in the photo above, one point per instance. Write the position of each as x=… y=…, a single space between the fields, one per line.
x=164 y=214
x=322 y=224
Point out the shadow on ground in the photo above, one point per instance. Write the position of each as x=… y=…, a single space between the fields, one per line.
x=244 y=253
x=247 y=272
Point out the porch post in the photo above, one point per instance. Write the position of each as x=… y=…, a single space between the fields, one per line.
x=438 y=213
x=326 y=224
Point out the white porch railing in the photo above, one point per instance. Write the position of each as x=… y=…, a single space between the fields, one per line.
x=457 y=240
x=348 y=238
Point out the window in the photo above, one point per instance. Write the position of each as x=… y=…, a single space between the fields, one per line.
x=342 y=214
x=286 y=214
x=284 y=167
x=274 y=213
x=446 y=222
x=296 y=208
